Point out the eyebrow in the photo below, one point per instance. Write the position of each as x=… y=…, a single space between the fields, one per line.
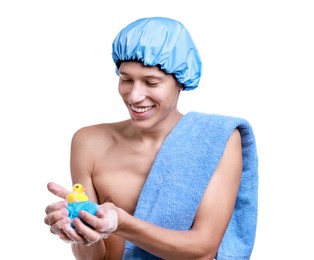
x=149 y=76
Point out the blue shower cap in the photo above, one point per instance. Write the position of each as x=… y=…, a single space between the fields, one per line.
x=160 y=41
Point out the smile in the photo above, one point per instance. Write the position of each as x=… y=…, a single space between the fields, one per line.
x=141 y=109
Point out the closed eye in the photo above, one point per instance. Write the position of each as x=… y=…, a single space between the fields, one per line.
x=151 y=84
x=125 y=80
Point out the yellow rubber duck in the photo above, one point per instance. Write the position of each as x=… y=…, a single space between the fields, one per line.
x=78 y=194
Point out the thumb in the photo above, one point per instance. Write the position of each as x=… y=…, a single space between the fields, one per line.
x=58 y=190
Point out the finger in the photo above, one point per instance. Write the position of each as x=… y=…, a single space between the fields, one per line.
x=61 y=205
x=75 y=234
x=56 y=216
x=105 y=222
x=63 y=236
x=89 y=218
x=58 y=190
x=57 y=227
x=90 y=235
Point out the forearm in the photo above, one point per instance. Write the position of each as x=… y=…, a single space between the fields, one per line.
x=96 y=251
x=166 y=243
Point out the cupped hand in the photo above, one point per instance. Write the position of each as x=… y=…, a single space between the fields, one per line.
x=57 y=213
x=100 y=226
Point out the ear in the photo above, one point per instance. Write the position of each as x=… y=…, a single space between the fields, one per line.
x=180 y=86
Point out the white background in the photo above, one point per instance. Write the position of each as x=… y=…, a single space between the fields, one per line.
x=56 y=75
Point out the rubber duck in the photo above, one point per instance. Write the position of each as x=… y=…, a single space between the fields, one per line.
x=77 y=201
x=78 y=194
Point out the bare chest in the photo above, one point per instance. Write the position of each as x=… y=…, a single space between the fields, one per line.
x=120 y=176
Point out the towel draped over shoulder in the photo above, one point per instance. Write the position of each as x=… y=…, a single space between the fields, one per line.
x=181 y=172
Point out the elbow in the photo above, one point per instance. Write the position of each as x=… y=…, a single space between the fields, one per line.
x=201 y=251
x=206 y=250
x=207 y=253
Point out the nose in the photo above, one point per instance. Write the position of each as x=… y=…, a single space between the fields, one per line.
x=137 y=93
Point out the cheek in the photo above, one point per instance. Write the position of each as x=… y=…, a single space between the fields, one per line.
x=119 y=89
x=122 y=90
x=173 y=92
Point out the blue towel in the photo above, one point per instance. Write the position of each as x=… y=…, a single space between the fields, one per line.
x=181 y=172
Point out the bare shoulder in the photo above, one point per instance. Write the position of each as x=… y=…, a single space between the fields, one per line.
x=234 y=143
x=231 y=161
x=99 y=134
x=235 y=137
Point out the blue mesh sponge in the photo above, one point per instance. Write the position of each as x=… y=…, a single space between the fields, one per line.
x=75 y=207
x=160 y=41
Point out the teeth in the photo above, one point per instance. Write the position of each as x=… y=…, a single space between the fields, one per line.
x=141 y=109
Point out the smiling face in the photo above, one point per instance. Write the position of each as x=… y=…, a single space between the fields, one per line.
x=150 y=95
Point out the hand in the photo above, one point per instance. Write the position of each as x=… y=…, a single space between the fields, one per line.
x=56 y=213
x=103 y=225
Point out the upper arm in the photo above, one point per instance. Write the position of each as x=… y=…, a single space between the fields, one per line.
x=82 y=159
x=216 y=207
x=83 y=155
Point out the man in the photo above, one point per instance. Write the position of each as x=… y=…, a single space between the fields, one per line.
x=166 y=184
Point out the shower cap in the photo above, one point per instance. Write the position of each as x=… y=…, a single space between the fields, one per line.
x=160 y=41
